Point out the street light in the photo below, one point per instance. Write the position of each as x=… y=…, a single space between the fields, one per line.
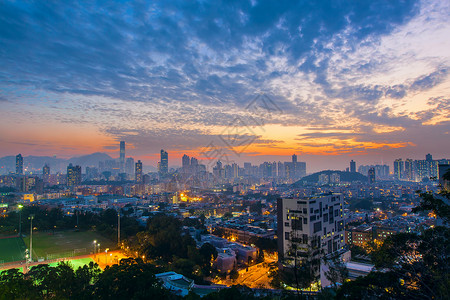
x=31 y=217
x=20 y=206
x=95 y=247
x=118 y=228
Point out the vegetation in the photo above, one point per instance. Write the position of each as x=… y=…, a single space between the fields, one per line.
x=54 y=219
x=344 y=177
x=164 y=241
x=409 y=265
x=131 y=279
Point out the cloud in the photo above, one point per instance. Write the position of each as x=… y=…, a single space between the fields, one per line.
x=179 y=71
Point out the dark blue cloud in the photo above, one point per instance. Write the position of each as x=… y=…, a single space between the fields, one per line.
x=428 y=81
x=144 y=50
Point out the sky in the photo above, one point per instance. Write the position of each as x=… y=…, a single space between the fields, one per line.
x=233 y=80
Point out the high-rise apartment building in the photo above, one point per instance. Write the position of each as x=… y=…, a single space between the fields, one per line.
x=398 y=168
x=138 y=172
x=371 y=175
x=73 y=175
x=122 y=157
x=129 y=167
x=46 y=173
x=309 y=223
x=409 y=169
x=352 y=166
x=19 y=164
x=164 y=163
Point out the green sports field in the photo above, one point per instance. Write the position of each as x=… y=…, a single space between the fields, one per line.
x=76 y=263
x=12 y=249
x=66 y=243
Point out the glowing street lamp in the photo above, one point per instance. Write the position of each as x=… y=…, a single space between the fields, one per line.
x=20 y=206
x=31 y=217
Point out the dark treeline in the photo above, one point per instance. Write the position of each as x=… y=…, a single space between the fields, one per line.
x=130 y=279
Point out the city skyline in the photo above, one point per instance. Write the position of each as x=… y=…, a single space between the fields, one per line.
x=332 y=83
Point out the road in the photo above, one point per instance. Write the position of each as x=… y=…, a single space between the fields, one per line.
x=257 y=276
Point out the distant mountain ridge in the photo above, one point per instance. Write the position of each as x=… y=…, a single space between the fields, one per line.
x=8 y=163
x=344 y=177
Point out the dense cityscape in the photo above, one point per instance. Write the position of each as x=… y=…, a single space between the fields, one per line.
x=225 y=150
x=246 y=218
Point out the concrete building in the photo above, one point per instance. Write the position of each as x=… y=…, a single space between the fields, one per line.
x=19 y=164
x=138 y=172
x=73 y=175
x=352 y=166
x=122 y=157
x=313 y=222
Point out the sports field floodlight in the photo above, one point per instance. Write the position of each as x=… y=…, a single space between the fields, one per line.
x=31 y=217
x=20 y=206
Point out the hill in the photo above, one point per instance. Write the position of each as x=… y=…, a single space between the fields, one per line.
x=35 y=163
x=344 y=177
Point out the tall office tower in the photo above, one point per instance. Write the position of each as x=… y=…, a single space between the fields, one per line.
x=409 y=169
x=398 y=168
x=129 y=167
x=19 y=164
x=73 y=175
x=312 y=225
x=46 y=173
x=429 y=157
x=247 y=168
x=138 y=172
x=371 y=175
x=195 y=167
x=281 y=170
x=218 y=170
x=185 y=163
x=164 y=163
x=294 y=158
x=352 y=166
x=122 y=157
x=300 y=169
x=235 y=170
x=194 y=161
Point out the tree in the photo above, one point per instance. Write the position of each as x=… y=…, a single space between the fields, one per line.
x=438 y=204
x=130 y=279
x=337 y=270
x=14 y=285
x=416 y=266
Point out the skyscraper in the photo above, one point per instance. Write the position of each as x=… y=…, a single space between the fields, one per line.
x=294 y=158
x=46 y=173
x=185 y=163
x=352 y=166
x=19 y=164
x=398 y=168
x=138 y=172
x=164 y=163
x=409 y=169
x=371 y=175
x=122 y=157
x=129 y=167
x=73 y=175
